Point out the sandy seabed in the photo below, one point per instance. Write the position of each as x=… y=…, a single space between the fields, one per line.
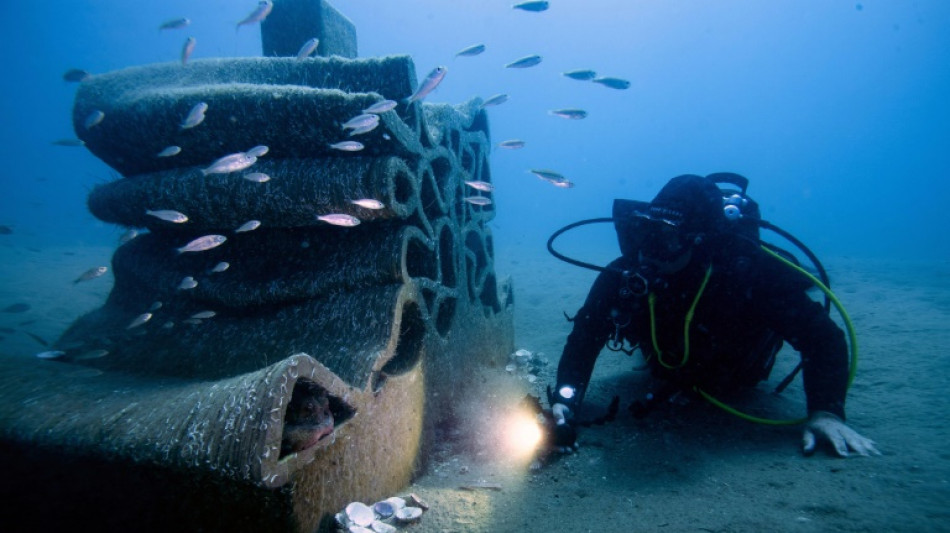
x=685 y=467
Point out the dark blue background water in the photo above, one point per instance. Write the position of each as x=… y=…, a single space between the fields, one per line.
x=836 y=110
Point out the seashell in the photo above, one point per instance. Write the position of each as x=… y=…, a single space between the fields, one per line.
x=360 y=514
x=419 y=502
x=383 y=527
x=408 y=514
x=359 y=529
x=396 y=502
x=385 y=509
x=521 y=352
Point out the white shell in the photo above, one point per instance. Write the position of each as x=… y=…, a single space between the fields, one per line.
x=396 y=502
x=360 y=514
x=383 y=527
x=359 y=529
x=408 y=514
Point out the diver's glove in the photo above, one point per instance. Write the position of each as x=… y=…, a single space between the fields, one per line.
x=565 y=435
x=826 y=426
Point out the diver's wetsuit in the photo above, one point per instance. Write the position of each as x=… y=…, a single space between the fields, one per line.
x=748 y=293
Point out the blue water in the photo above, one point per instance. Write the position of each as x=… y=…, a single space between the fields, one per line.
x=837 y=110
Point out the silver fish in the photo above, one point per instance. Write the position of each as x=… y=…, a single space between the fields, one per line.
x=573 y=114
x=76 y=75
x=497 y=99
x=308 y=48
x=347 y=146
x=195 y=116
x=250 y=225
x=203 y=243
x=364 y=129
x=168 y=215
x=263 y=9
x=477 y=200
x=534 y=5
x=473 y=50
x=429 y=84
x=512 y=144
x=155 y=306
x=381 y=107
x=128 y=235
x=613 y=83
x=69 y=142
x=258 y=151
x=361 y=121
x=221 y=267
x=191 y=321
x=546 y=174
x=339 y=219
x=94 y=119
x=480 y=185
x=187 y=283
x=201 y=315
x=368 y=203
x=92 y=273
x=139 y=320
x=230 y=163
x=257 y=177
x=92 y=354
x=51 y=354
x=169 y=151
x=581 y=74
x=187 y=49
x=525 y=62
x=175 y=24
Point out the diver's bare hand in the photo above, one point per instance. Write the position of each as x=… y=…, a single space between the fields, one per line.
x=822 y=425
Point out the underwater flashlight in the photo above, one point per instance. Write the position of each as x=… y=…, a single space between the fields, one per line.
x=522 y=434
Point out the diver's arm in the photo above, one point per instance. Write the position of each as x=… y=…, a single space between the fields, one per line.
x=587 y=338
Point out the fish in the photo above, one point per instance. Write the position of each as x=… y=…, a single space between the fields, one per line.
x=37 y=338
x=69 y=142
x=364 y=129
x=347 y=146
x=155 y=306
x=175 y=24
x=139 y=320
x=187 y=49
x=128 y=235
x=260 y=13
x=169 y=151
x=16 y=308
x=339 y=219
x=91 y=354
x=221 y=267
x=258 y=151
x=94 y=119
x=308 y=48
x=480 y=185
x=257 y=177
x=201 y=244
x=573 y=114
x=497 y=99
x=250 y=225
x=187 y=283
x=51 y=354
x=368 y=203
x=201 y=315
x=477 y=200
x=535 y=5
x=580 y=74
x=525 y=62
x=429 y=84
x=168 y=215
x=381 y=107
x=76 y=75
x=472 y=50
x=92 y=273
x=195 y=116
x=552 y=177
x=361 y=121
x=6 y=230
x=613 y=83
x=512 y=144
x=230 y=163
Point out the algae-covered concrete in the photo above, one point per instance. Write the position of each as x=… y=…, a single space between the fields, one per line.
x=197 y=370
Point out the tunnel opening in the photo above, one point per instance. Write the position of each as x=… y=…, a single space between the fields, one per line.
x=311 y=418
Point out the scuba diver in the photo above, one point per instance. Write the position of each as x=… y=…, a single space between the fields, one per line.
x=709 y=306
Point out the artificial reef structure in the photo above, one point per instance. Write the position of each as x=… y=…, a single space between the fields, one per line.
x=309 y=371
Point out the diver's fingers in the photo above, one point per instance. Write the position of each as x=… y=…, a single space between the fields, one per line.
x=808 y=442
